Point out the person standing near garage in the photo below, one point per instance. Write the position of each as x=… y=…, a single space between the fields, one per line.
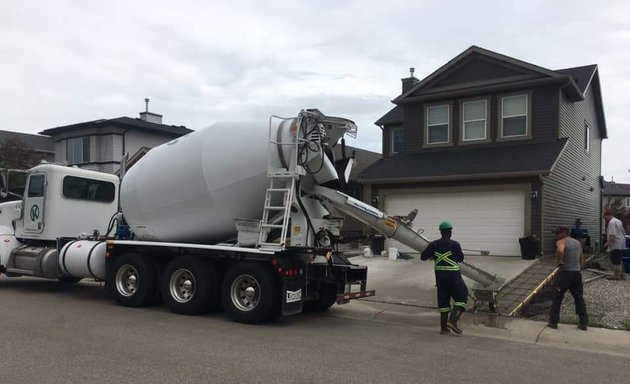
x=446 y=254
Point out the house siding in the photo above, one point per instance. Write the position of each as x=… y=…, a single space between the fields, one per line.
x=475 y=69
x=572 y=189
x=136 y=140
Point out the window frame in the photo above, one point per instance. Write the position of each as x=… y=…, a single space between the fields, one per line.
x=528 y=116
x=85 y=149
x=392 y=149
x=627 y=201
x=65 y=186
x=587 y=137
x=486 y=138
x=426 y=126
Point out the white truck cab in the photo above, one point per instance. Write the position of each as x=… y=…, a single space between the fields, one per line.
x=57 y=202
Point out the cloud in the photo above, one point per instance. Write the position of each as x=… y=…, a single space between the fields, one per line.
x=204 y=61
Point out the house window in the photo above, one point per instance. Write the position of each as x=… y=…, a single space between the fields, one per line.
x=397 y=139
x=474 y=120
x=78 y=150
x=627 y=202
x=514 y=116
x=437 y=124
x=587 y=137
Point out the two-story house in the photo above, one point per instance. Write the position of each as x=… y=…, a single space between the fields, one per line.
x=616 y=196
x=100 y=145
x=500 y=147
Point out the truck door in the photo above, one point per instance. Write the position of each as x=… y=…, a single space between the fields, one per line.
x=33 y=213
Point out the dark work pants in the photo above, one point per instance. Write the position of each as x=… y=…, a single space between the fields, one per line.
x=451 y=285
x=572 y=281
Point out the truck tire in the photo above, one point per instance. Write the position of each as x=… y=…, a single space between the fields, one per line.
x=133 y=280
x=189 y=286
x=250 y=293
x=327 y=297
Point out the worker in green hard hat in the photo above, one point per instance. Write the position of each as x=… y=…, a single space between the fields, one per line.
x=446 y=254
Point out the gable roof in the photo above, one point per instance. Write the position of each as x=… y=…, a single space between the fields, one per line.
x=510 y=160
x=616 y=189
x=528 y=73
x=394 y=116
x=122 y=122
x=581 y=75
x=39 y=143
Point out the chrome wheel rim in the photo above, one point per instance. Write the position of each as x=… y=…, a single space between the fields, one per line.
x=245 y=292
x=182 y=285
x=127 y=280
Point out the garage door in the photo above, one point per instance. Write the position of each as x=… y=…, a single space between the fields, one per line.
x=482 y=221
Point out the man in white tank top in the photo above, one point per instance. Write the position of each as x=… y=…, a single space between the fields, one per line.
x=570 y=262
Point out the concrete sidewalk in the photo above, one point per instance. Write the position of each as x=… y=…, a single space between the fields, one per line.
x=406 y=295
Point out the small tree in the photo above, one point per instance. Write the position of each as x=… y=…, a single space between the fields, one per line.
x=14 y=153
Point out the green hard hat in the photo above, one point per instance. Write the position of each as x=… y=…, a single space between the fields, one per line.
x=445 y=225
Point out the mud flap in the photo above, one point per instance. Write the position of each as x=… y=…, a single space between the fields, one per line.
x=292 y=294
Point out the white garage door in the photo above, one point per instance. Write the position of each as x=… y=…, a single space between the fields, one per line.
x=482 y=221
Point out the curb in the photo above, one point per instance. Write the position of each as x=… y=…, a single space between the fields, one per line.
x=596 y=340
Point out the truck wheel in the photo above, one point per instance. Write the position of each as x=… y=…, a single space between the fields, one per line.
x=133 y=281
x=327 y=297
x=189 y=286
x=250 y=293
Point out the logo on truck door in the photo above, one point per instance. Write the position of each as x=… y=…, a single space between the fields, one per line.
x=34 y=212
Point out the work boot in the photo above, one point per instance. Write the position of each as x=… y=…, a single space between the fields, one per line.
x=443 y=328
x=615 y=273
x=582 y=327
x=552 y=325
x=452 y=322
x=622 y=272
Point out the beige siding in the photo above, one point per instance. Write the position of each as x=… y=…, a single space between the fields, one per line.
x=136 y=140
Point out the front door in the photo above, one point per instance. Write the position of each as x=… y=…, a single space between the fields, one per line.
x=34 y=203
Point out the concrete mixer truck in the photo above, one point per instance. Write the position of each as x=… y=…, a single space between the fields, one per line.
x=239 y=216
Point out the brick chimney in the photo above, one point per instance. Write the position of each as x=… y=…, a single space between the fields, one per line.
x=410 y=81
x=150 y=117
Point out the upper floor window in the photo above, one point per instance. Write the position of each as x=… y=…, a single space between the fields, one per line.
x=396 y=140
x=438 y=124
x=627 y=202
x=474 y=120
x=587 y=137
x=78 y=150
x=514 y=119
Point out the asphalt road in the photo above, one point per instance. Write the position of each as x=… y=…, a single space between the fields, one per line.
x=76 y=334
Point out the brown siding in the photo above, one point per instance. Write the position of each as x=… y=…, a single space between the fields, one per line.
x=413 y=127
x=572 y=190
x=545 y=113
x=475 y=70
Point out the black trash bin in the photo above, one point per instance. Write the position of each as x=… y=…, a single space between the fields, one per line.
x=530 y=247
x=377 y=244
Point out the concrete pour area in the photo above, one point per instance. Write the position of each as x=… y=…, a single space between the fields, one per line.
x=406 y=295
x=412 y=282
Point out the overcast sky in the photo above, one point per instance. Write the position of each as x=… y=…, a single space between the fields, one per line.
x=64 y=62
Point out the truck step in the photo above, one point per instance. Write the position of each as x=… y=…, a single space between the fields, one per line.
x=275 y=207
x=271 y=225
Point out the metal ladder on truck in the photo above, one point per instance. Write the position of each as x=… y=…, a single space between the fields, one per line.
x=282 y=183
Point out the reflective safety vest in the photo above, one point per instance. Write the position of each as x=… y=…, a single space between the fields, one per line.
x=443 y=261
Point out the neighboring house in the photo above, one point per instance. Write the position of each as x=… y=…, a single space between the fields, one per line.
x=500 y=147
x=100 y=144
x=616 y=196
x=42 y=145
x=362 y=160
